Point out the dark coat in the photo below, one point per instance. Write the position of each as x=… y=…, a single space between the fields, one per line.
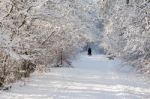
x=89 y=51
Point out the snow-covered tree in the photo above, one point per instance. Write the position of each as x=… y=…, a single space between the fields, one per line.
x=127 y=30
x=37 y=32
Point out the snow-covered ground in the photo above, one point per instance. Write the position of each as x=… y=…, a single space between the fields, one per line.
x=93 y=77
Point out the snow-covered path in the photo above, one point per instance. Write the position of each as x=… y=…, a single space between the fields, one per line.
x=93 y=77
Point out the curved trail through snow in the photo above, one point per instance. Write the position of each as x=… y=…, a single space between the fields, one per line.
x=93 y=77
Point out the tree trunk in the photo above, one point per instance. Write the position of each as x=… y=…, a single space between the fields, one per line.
x=61 y=60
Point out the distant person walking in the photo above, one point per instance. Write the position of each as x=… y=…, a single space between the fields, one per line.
x=89 y=51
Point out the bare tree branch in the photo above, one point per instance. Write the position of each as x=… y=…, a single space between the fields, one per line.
x=48 y=38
